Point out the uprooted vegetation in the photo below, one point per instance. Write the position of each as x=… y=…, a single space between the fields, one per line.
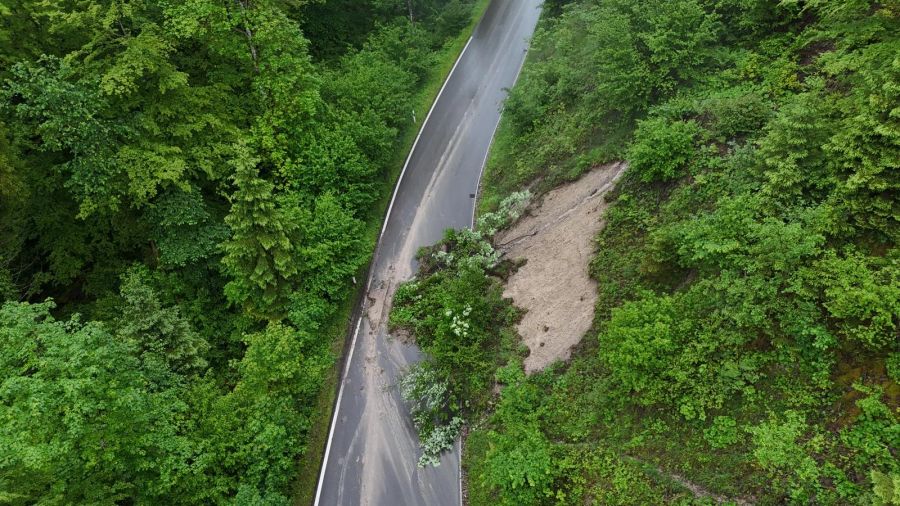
x=455 y=310
x=746 y=339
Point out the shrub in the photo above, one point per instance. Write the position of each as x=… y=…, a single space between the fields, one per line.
x=862 y=295
x=455 y=313
x=892 y=365
x=426 y=391
x=520 y=461
x=738 y=112
x=875 y=434
x=722 y=433
x=661 y=148
x=638 y=346
x=885 y=488
x=510 y=209
x=778 y=451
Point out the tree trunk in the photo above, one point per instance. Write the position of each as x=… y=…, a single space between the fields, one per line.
x=248 y=34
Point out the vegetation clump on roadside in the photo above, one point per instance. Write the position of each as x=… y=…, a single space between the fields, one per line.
x=456 y=314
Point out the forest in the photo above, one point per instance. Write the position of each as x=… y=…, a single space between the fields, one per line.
x=745 y=347
x=190 y=190
x=187 y=190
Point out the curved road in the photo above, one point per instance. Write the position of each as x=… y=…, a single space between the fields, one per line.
x=371 y=454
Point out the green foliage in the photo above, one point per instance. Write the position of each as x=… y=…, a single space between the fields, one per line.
x=456 y=314
x=259 y=255
x=722 y=433
x=593 y=71
x=281 y=372
x=333 y=248
x=892 y=365
x=638 y=344
x=737 y=112
x=519 y=465
x=747 y=318
x=189 y=177
x=886 y=489
x=519 y=462
x=658 y=349
x=67 y=117
x=115 y=408
x=513 y=460
x=661 y=149
x=875 y=432
x=106 y=424
x=185 y=229
x=679 y=38
x=510 y=209
x=777 y=450
x=862 y=295
x=426 y=393
x=161 y=335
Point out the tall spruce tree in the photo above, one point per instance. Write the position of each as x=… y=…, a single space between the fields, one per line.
x=259 y=255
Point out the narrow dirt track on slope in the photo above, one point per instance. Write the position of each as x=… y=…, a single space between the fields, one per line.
x=556 y=239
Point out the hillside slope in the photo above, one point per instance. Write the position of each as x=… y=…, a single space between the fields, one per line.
x=745 y=346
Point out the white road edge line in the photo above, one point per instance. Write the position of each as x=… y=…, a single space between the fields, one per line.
x=481 y=172
x=387 y=218
x=474 y=212
x=419 y=135
x=491 y=145
x=459 y=474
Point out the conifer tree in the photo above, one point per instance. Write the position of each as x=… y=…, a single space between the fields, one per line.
x=259 y=255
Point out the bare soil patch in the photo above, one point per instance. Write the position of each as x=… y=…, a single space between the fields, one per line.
x=556 y=239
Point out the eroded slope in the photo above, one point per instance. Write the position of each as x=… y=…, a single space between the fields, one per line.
x=556 y=240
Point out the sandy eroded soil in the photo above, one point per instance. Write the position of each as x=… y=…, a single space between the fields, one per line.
x=556 y=238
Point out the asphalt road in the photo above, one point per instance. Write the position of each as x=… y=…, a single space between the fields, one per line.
x=372 y=452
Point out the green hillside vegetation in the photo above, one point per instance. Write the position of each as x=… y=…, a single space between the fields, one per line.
x=747 y=332
x=186 y=190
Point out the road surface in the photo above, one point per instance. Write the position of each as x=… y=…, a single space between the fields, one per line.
x=371 y=454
